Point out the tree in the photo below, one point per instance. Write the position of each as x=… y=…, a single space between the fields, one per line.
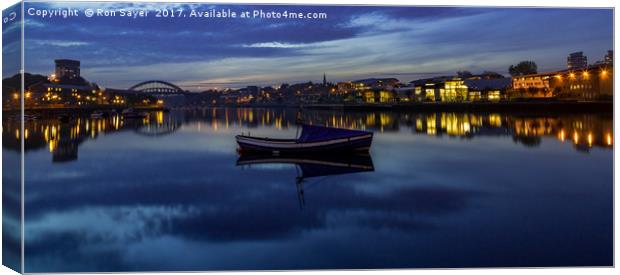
x=491 y=75
x=523 y=68
x=464 y=74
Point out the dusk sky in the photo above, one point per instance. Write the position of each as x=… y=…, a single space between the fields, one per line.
x=352 y=43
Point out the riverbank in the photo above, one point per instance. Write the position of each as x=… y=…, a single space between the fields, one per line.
x=505 y=106
x=82 y=110
x=508 y=106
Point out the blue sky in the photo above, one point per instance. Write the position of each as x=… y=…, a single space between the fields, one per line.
x=352 y=43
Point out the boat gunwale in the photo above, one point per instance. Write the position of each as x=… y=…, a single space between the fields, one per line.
x=274 y=140
x=296 y=144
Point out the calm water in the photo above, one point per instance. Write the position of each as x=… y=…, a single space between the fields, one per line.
x=438 y=190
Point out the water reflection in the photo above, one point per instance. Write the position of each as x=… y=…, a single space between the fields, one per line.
x=310 y=166
x=165 y=193
x=62 y=138
x=584 y=131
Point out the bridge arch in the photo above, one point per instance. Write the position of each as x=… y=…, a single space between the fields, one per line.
x=158 y=129
x=157 y=87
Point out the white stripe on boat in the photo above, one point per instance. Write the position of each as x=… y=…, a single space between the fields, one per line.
x=294 y=144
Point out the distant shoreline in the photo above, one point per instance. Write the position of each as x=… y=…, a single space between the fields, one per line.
x=505 y=106
x=89 y=109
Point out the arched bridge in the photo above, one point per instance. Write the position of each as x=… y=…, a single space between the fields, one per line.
x=157 y=87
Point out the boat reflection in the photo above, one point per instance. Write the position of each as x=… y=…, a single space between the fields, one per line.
x=310 y=166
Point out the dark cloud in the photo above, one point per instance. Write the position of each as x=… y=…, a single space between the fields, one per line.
x=353 y=42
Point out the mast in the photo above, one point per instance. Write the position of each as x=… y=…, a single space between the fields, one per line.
x=299 y=184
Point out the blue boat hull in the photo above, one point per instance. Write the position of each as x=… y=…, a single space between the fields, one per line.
x=357 y=144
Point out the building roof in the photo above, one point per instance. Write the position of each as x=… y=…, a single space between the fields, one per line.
x=374 y=81
x=438 y=79
x=68 y=61
x=488 y=84
x=67 y=86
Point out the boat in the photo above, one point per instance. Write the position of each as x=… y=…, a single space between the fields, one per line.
x=96 y=114
x=131 y=113
x=28 y=117
x=313 y=139
x=65 y=118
